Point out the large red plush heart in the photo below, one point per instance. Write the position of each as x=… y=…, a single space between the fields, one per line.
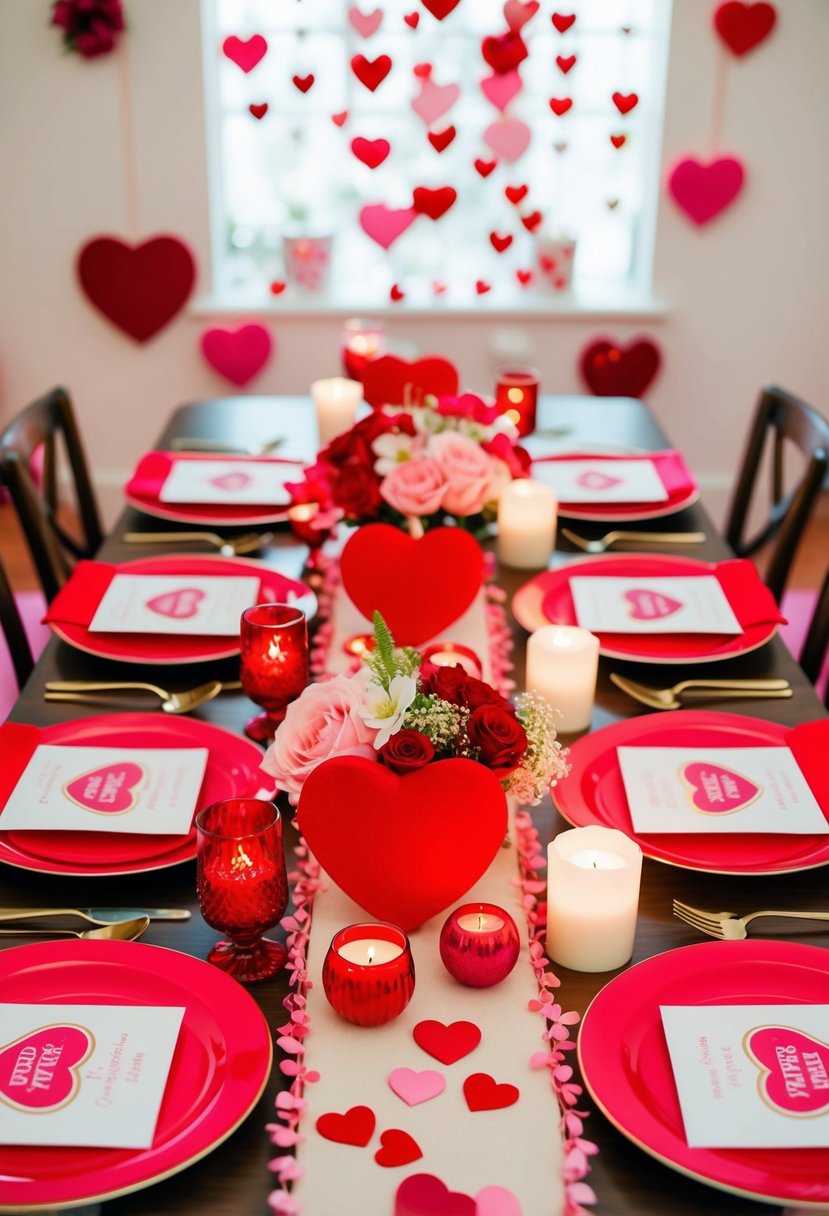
x=139 y=288
x=387 y=380
x=612 y=370
x=237 y=354
x=403 y=848
x=419 y=587
x=742 y=27
x=704 y=190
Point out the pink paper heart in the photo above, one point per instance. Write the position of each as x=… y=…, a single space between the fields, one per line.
x=792 y=1066
x=365 y=24
x=384 y=225
x=592 y=479
x=499 y=90
x=426 y=1195
x=179 y=605
x=39 y=1072
x=715 y=789
x=701 y=190
x=507 y=138
x=497 y=1201
x=433 y=100
x=231 y=481
x=517 y=14
x=106 y=790
x=416 y=1087
x=647 y=605
x=247 y=54
x=237 y=354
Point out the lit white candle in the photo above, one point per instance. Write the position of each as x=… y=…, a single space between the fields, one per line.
x=369 y=951
x=480 y=922
x=336 y=400
x=593 y=877
x=562 y=664
x=527 y=516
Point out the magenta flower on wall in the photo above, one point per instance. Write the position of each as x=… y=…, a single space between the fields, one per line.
x=90 y=27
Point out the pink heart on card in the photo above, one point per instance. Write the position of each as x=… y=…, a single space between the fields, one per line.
x=384 y=225
x=39 y=1072
x=107 y=790
x=704 y=190
x=247 y=54
x=499 y=90
x=179 y=605
x=497 y=1201
x=434 y=100
x=649 y=605
x=365 y=24
x=507 y=138
x=793 y=1069
x=426 y=1195
x=714 y=789
x=592 y=479
x=416 y=1087
x=237 y=354
x=231 y=481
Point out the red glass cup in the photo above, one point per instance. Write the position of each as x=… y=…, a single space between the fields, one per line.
x=368 y=974
x=242 y=885
x=452 y=654
x=516 y=395
x=362 y=341
x=479 y=944
x=274 y=663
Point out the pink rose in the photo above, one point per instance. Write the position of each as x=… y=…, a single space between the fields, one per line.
x=321 y=723
x=414 y=487
x=473 y=478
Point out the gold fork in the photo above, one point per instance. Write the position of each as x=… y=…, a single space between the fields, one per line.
x=191 y=443
x=728 y=926
x=228 y=546
x=601 y=543
x=171 y=702
x=668 y=698
x=120 y=931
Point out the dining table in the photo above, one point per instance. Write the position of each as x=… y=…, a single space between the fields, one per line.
x=233 y=1179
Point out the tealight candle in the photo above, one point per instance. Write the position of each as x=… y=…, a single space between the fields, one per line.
x=451 y=654
x=563 y=664
x=359 y=644
x=368 y=974
x=362 y=341
x=336 y=400
x=516 y=395
x=479 y=944
x=527 y=517
x=593 y=877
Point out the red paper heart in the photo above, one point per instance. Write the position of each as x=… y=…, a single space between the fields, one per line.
x=178 y=605
x=563 y=22
x=504 y=52
x=482 y=1092
x=742 y=27
x=611 y=370
x=386 y=380
x=617 y=140
x=422 y=70
x=433 y=203
x=237 y=354
x=398 y=1148
x=277 y=287
x=500 y=243
x=433 y=832
x=384 y=225
x=524 y=277
x=717 y=790
x=560 y=105
x=412 y=20
x=532 y=221
x=516 y=194
x=371 y=72
x=482 y=287
x=303 y=83
x=704 y=190
x=107 y=790
x=793 y=1067
x=447 y=1043
x=625 y=102
x=340 y=118
x=442 y=139
x=440 y=8
x=565 y=62
x=517 y=14
x=247 y=54
x=437 y=287
x=140 y=289
x=56 y=1052
x=371 y=152
x=259 y=111
x=485 y=167
x=355 y=1127
x=396 y=292
x=426 y=1195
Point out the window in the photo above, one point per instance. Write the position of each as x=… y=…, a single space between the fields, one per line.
x=591 y=171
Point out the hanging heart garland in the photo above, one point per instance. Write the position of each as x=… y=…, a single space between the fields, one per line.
x=245 y=54
x=485 y=167
x=340 y=119
x=500 y=243
x=565 y=63
x=303 y=83
x=412 y=20
x=507 y=138
x=259 y=111
x=618 y=141
x=702 y=190
x=504 y=52
x=138 y=288
x=371 y=72
x=433 y=100
x=500 y=88
x=742 y=27
x=560 y=105
x=516 y=194
x=385 y=225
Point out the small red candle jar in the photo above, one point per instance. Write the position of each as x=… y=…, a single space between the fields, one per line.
x=362 y=341
x=274 y=663
x=368 y=974
x=479 y=944
x=516 y=395
x=452 y=654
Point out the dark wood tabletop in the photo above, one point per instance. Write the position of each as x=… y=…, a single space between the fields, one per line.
x=233 y=1180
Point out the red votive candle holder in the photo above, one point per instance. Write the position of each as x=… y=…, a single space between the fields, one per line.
x=273 y=663
x=362 y=341
x=452 y=654
x=368 y=975
x=516 y=395
x=479 y=944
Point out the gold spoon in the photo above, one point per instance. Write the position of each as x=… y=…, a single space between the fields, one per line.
x=121 y=931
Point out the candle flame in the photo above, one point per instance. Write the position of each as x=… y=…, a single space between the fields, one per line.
x=240 y=861
x=275 y=652
x=371 y=954
x=480 y=921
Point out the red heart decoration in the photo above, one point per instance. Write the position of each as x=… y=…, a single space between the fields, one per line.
x=426 y=1195
x=371 y=152
x=63 y=1076
x=398 y=1148
x=560 y=105
x=396 y=292
x=438 y=288
x=504 y=52
x=611 y=370
x=625 y=102
x=237 y=354
x=447 y=1043
x=718 y=790
x=371 y=72
x=499 y=243
x=517 y=14
x=524 y=277
x=247 y=54
x=565 y=62
x=742 y=27
x=384 y=225
x=259 y=111
x=433 y=203
x=433 y=832
x=617 y=140
x=355 y=1127
x=485 y=167
x=532 y=220
x=387 y=571
x=422 y=70
x=340 y=119
x=516 y=194
x=440 y=8
x=140 y=289
x=703 y=191
x=442 y=139
x=107 y=790
x=385 y=380
x=303 y=83
x=412 y=20
x=563 y=22
x=482 y=287
x=482 y=1092
x=277 y=287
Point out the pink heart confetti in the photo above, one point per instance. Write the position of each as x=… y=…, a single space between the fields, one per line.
x=507 y=138
x=416 y=1087
x=497 y=1201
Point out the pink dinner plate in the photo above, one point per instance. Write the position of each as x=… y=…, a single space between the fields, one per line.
x=594 y=793
x=625 y=1064
x=220 y=1066
x=142 y=491
x=678 y=498
x=233 y=771
x=546 y=599
x=160 y=648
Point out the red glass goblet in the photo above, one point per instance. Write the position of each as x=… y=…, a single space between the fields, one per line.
x=368 y=974
x=362 y=341
x=242 y=885
x=274 y=663
x=516 y=395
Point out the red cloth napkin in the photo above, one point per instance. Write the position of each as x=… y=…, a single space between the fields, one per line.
x=153 y=469
x=809 y=744
x=670 y=467
x=18 y=741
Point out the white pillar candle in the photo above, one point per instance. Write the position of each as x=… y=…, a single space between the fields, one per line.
x=527 y=516
x=336 y=400
x=562 y=664
x=369 y=951
x=593 y=877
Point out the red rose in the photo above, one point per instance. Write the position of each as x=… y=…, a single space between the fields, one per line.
x=455 y=685
x=356 y=489
x=406 y=751
x=89 y=25
x=498 y=737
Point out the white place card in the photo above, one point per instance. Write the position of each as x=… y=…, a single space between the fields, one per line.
x=598 y=481
x=673 y=604
x=751 y=1076
x=718 y=789
x=232 y=482
x=107 y=789
x=202 y=604
x=84 y=1074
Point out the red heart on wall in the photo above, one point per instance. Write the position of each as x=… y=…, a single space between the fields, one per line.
x=485 y=167
x=247 y=54
x=442 y=139
x=371 y=72
x=704 y=190
x=433 y=203
x=499 y=243
x=371 y=152
x=504 y=52
x=140 y=289
x=387 y=380
x=444 y=822
x=611 y=370
x=516 y=194
x=518 y=14
x=237 y=354
x=412 y=20
x=742 y=27
x=565 y=62
x=440 y=8
x=532 y=221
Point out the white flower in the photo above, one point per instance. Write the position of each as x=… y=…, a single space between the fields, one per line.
x=384 y=711
x=392 y=449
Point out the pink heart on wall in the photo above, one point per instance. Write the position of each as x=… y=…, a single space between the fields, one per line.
x=434 y=100
x=701 y=190
x=385 y=225
x=57 y=1052
x=507 y=138
x=138 y=288
x=716 y=789
x=245 y=54
x=499 y=89
x=106 y=790
x=237 y=354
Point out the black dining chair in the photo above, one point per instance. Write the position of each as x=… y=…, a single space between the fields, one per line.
x=15 y=665
x=782 y=424
x=814 y=656
x=48 y=426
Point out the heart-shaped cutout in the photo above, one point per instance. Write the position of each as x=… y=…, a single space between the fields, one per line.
x=138 y=288
x=593 y=479
x=258 y=111
x=440 y=140
x=625 y=102
x=563 y=21
x=390 y=380
x=516 y=194
x=371 y=72
x=793 y=1069
x=385 y=225
x=416 y=1087
x=434 y=100
x=647 y=605
x=612 y=370
x=447 y=1043
x=237 y=354
x=245 y=54
x=504 y=52
x=179 y=605
x=433 y=202
x=39 y=1072
x=483 y=1092
x=497 y=1201
x=714 y=789
x=484 y=167
x=500 y=88
x=426 y=1195
x=233 y=481
x=440 y=8
x=560 y=105
x=397 y=1148
x=371 y=152
x=703 y=190
x=742 y=27
x=507 y=138
x=303 y=83
x=355 y=1126
x=365 y=24
x=108 y=790
x=444 y=822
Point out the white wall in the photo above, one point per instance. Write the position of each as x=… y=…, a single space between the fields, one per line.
x=746 y=296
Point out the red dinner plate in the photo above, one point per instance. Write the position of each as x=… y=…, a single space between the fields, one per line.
x=233 y=771
x=161 y=648
x=220 y=1066
x=678 y=499
x=546 y=600
x=626 y=1067
x=142 y=491
x=594 y=793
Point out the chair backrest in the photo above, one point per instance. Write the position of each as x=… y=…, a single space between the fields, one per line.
x=14 y=633
x=49 y=424
x=784 y=422
x=816 y=646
